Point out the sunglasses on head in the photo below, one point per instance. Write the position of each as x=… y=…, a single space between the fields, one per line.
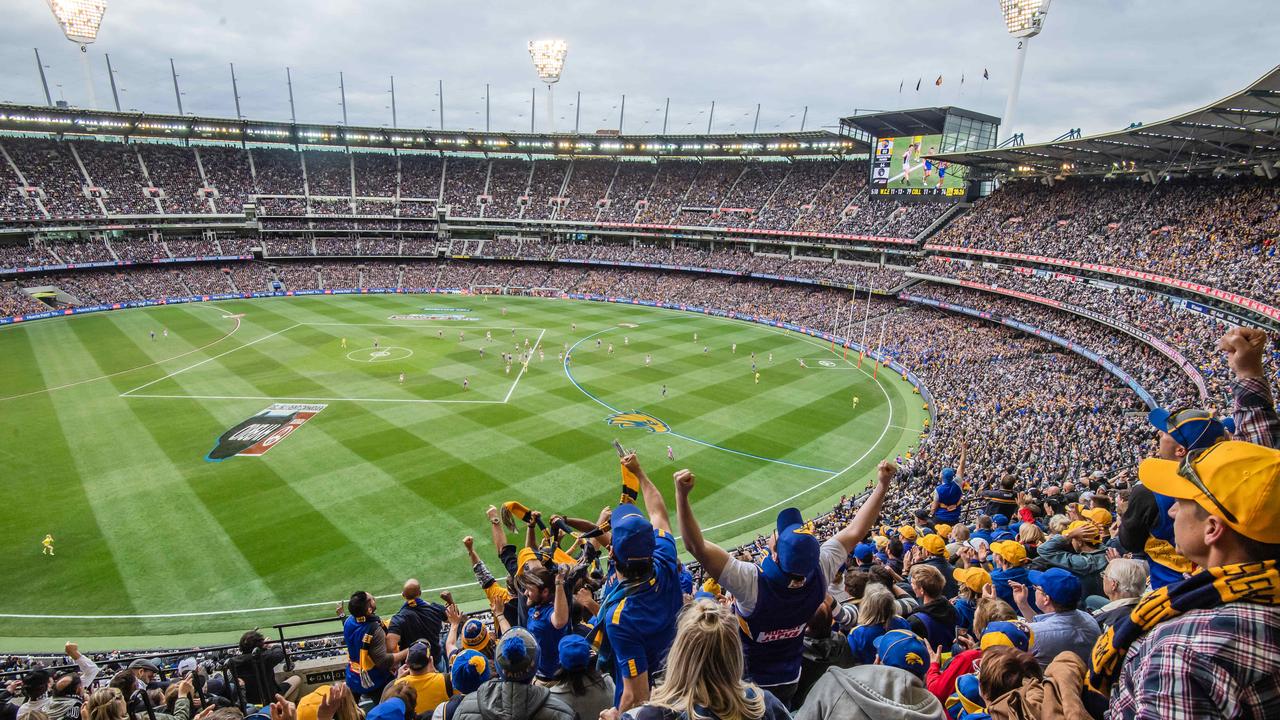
x=1187 y=471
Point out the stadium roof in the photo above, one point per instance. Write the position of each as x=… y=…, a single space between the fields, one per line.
x=78 y=121
x=920 y=121
x=1240 y=130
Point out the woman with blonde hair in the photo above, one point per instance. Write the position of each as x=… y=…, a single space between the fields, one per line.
x=877 y=615
x=1030 y=535
x=105 y=704
x=704 y=674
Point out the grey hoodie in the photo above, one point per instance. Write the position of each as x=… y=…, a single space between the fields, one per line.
x=507 y=700
x=870 y=692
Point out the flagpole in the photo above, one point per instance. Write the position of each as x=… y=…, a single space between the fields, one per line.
x=848 y=325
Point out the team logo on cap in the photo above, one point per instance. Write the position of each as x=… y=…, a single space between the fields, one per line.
x=637 y=420
x=913 y=659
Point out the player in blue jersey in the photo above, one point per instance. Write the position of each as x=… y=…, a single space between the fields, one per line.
x=942 y=172
x=775 y=600
x=636 y=623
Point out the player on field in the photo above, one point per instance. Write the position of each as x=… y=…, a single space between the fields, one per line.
x=705 y=349
x=573 y=326
x=488 y=335
x=855 y=401
x=770 y=358
x=695 y=337
x=466 y=384
x=647 y=359
x=664 y=391
x=47 y=542
x=928 y=165
x=734 y=348
x=401 y=377
x=610 y=348
x=481 y=353
x=344 y=343
x=671 y=454
x=753 y=366
x=541 y=356
x=942 y=172
x=153 y=336
x=504 y=310
x=440 y=333
x=626 y=339
x=461 y=335
x=375 y=343
x=802 y=363
x=597 y=343
x=757 y=378
x=164 y=332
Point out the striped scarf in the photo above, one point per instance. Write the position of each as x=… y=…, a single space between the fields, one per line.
x=1256 y=582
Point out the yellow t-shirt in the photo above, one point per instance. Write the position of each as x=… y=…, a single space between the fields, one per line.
x=432 y=690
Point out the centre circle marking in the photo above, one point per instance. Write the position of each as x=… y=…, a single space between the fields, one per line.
x=389 y=353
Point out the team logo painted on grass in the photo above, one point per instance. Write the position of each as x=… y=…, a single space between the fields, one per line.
x=637 y=420
x=258 y=434
x=446 y=310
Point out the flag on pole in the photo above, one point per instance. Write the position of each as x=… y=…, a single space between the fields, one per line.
x=900 y=84
x=938 y=82
x=961 y=78
x=985 y=74
x=918 y=80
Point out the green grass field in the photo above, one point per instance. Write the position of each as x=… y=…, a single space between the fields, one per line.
x=104 y=434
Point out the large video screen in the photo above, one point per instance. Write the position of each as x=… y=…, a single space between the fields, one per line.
x=899 y=168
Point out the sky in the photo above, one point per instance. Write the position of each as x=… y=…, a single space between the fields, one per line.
x=1099 y=64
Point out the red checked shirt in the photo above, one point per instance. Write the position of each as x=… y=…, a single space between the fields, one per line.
x=1221 y=662
x=1255 y=412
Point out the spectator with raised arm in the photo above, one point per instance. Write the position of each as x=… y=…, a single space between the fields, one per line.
x=775 y=600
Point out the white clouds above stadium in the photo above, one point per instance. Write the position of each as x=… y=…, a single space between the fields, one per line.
x=1098 y=65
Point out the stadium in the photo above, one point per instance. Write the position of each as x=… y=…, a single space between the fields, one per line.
x=254 y=370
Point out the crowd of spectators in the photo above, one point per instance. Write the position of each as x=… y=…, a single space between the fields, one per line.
x=419 y=176
x=465 y=179
x=173 y=169
x=1220 y=232
x=115 y=168
x=544 y=185
x=1193 y=334
x=50 y=166
x=328 y=173
x=588 y=184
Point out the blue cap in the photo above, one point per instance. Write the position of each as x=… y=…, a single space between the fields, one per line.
x=701 y=595
x=999 y=519
x=469 y=671
x=797 y=548
x=903 y=649
x=1192 y=428
x=391 y=709
x=419 y=655
x=968 y=694
x=632 y=534
x=1014 y=633
x=1015 y=527
x=1062 y=587
x=575 y=653
x=948 y=475
x=863 y=552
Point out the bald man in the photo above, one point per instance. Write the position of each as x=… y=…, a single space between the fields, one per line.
x=416 y=620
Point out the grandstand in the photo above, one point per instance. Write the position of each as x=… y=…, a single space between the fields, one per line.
x=1018 y=327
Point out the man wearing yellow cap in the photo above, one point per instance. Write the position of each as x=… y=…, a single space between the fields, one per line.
x=1208 y=646
x=1079 y=551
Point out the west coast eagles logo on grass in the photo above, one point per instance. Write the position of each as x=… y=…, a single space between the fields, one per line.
x=637 y=420
x=258 y=434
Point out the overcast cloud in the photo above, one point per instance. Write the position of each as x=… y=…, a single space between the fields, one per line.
x=1099 y=65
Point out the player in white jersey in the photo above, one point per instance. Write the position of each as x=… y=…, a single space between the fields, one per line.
x=610 y=348
x=440 y=333
x=165 y=332
x=401 y=377
x=802 y=363
x=488 y=335
x=466 y=384
x=647 y=359
x=734 y=348
x=671 y=454
x=626 y=339
x=344 y=343
x=541 y=356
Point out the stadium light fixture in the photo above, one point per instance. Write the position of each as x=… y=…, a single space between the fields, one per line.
x=548 y=60
x=79 y=19
x=1024 y=19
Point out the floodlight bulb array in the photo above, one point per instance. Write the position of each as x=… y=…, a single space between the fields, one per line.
x=79 y=19
x=548 y=58
x=1024 y=18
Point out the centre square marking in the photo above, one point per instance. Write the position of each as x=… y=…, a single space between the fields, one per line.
x=367 y=352
x=388 y=353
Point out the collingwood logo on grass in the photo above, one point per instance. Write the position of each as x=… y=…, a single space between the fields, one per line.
x=637 y=420
x=258 y=434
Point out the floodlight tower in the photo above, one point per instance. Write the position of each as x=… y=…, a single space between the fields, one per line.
x=80 y=20
x=1024 y=19
x=548 y=59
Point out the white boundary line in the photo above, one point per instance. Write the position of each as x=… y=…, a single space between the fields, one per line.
x=524 y=366
x=455 y=326
x=210 y=359
x=312 y=399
